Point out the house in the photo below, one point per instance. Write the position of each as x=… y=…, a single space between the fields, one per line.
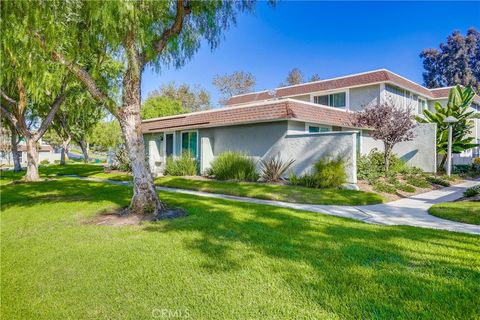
x=304 y=122
x=45 y=152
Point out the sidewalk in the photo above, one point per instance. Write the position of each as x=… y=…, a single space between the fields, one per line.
x=412 y=211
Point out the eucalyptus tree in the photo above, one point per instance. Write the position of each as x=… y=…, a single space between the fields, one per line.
x=137 y=35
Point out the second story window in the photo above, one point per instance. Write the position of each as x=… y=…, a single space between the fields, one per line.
x=337 y=100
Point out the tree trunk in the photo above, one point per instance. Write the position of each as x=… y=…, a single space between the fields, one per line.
x=387 y=152
x=32 y=160
x=17 y=166
x=83 y=146
x=64 y=154
x=441 y=166
x=145 y=199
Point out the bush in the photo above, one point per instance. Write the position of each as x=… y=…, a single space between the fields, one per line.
x=185 y=165
x=274 y=168
x=56 y=161
x=439 y=181
x=293 y=178
x=400 y=186
x=383 y=187
x=44 y=162
x=308 y=180
x=417 y=182
x=461 y=168
x=234 y=166
x=473 y=191
x=329 y=173
x=121 y=160
x=372 y=166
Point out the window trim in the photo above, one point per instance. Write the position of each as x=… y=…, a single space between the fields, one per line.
x=329 y=92
x=165 y=143
x=310 y=124
x=418 y=106
x=197 y=156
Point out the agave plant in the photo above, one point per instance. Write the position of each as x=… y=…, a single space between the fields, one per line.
x=459 y=101
x=274 y=168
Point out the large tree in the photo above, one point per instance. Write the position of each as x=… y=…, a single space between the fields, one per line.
x=457 y=61
x=9 y=143
x=239 y=82
x=106 y=135
x=192 y=99
x=137 y=35
x=390 y=123
x=160 y=106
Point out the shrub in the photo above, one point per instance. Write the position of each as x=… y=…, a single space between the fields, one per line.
x=476 y=161
x=329 y=173
x=471 y=192
x=461 y=168
x=383 y=187
x=417 y=182
x=56 y=161
x=185 y=165
x=308 y=180
x=121 y=161
x=293 y=178
x=400 y=186
x=439 y=181
x=44 y=162
x=234 y=166
x=274 y=168
x=372 y=166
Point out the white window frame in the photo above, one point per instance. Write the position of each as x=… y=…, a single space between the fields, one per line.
x=418 y=106
x=181 y=141
x=310 y=124
x=165 y=144
x=328 y=92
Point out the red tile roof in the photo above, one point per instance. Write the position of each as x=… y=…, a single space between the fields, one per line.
x=286 y=109
x=362 y=79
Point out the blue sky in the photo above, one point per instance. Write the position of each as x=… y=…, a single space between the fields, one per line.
x=329 y=38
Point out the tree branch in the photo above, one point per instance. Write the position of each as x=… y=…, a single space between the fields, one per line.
x=159 y=44
x=55 y=106
x=6 y=97
x=13 y=120
x=82 y=75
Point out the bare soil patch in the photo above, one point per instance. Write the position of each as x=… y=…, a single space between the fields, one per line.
x=122 y=217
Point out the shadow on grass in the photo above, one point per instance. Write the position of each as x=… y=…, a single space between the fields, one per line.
x=349 y=268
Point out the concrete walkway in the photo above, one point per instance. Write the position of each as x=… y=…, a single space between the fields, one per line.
x=412 y=211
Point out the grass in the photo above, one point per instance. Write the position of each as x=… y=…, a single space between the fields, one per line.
x=226 y=260
x=462 y=211
x=276 y=192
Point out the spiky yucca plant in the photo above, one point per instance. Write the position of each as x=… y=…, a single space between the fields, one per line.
x=274 y=168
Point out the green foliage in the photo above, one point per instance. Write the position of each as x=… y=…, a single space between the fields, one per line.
x=274 y=168
x=191 y=99
x=293 y=178
x=106 y=135
x=234 y=166
x=459 y=102
x=372 y=166
x=325 y=174
x=469 y=170
x=185 y=165
x=438 y=181
x=121 y=161
x=56 y=161
x=379 y=186
x=473 y=191
x=399 y=185
x=159 y=106
x=329 y=173
x=417 y=181
x=44 y=162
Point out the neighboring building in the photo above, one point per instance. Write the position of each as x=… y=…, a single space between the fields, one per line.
x=45 y=152
x=304 y=122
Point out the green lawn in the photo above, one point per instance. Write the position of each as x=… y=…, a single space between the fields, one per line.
x=274 y=192
x=463 y=211
x=226 y=260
